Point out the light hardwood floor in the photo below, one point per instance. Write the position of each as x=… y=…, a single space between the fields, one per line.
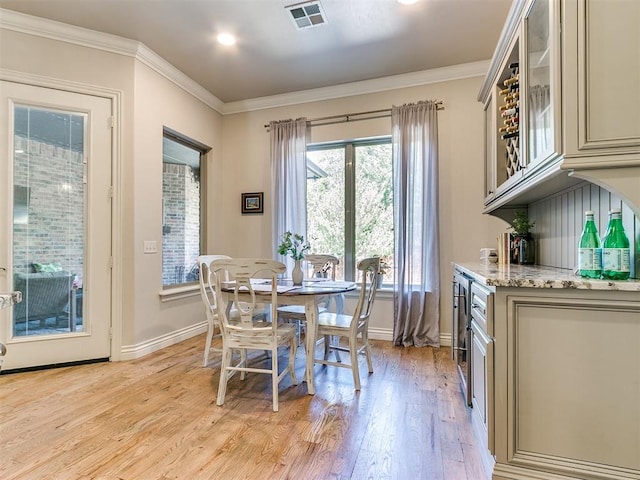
x=156 y=419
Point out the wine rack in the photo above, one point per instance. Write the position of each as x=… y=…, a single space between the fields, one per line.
x=510 y=113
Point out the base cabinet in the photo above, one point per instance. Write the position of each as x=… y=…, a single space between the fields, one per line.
x=482 y=382
x=567 y=384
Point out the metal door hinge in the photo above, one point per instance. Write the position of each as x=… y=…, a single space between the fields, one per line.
x=112 y=121
x=110 y=262
x=110 y=193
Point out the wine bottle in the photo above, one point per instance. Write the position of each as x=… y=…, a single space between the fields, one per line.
x=615 y=249
x=589 y=251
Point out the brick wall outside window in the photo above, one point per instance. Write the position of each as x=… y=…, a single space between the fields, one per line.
x=181 y=223
x=54 y=228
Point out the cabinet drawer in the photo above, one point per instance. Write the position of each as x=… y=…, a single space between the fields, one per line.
x=482 y=307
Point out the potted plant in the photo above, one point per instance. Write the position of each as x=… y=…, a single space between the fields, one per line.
x=523 y=250
x=384 y=268
x=293 y=245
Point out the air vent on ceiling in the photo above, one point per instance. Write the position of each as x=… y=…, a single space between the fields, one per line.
x=307 y=14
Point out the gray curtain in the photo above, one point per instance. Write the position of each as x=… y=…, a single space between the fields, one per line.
x=288 y=181
x=415 y=176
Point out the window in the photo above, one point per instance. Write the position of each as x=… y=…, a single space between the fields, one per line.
x=350 y=203
x=182 y=227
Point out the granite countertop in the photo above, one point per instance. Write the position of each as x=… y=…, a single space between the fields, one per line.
x=535 y=276
x=8 y=299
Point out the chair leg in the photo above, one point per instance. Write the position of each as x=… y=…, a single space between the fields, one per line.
x=224 y=376
x=367 y=350
x=327 y=346
x=292 y=361
x=336 y=352
x=243 y=362
x=274 y=377
x=207 y=345
x=353 y=353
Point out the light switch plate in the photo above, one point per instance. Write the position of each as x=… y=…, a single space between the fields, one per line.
x=150 y=246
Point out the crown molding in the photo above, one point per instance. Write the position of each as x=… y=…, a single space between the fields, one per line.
x=31 y=25
x=406 y=80
x=63 y=32
x=164 y=68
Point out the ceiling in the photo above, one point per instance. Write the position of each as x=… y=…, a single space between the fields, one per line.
x=361 y=39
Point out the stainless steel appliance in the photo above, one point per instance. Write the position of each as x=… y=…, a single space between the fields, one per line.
x=461 y=330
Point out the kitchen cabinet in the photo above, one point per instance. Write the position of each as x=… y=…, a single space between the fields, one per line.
x=560 y=373
x=482 y=384
x=578 y=69
x=601 y=41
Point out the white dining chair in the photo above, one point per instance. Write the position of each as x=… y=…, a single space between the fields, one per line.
x=352 y=327
x=209 y=300
x=247 y=333
x=322 y=266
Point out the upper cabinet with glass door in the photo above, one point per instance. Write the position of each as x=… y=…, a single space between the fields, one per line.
x=541 y=82
x=577 y=106
x=521 y=94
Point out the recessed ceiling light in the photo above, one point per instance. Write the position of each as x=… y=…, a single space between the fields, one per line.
x=407 y=2
x=226 y=39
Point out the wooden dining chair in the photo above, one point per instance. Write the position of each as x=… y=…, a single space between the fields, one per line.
x=352 y=327
x=322 y=266
x=247 y=333
x=209 y=300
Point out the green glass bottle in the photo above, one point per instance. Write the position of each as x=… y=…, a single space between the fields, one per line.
x=589 y=251
x=615 y=249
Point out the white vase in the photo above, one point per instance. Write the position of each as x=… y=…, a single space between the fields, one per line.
x=296 y=273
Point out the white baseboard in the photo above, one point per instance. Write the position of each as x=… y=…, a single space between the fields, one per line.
x=387 y=334
x=381 y=334
x=131 y=352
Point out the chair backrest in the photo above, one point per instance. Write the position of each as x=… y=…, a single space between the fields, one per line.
x=369 y=268
x=207 y=285
x=264 y=272
x=323 y=264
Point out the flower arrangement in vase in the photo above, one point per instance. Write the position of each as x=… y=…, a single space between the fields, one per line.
x=293 y=245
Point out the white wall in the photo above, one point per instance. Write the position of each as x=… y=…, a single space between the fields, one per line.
x=464 y=229
x=239 y=162
x=160 y=103
x=149 y=101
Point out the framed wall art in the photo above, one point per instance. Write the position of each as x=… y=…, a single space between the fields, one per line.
x=252 y=202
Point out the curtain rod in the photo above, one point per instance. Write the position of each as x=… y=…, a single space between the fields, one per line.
x=354 y=117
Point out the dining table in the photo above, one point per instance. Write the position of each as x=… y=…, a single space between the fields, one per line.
x=308 y=295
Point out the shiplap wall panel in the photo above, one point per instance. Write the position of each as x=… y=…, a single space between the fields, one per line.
x=559 y=221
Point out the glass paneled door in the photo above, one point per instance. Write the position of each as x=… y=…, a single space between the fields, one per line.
x=57 y=246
